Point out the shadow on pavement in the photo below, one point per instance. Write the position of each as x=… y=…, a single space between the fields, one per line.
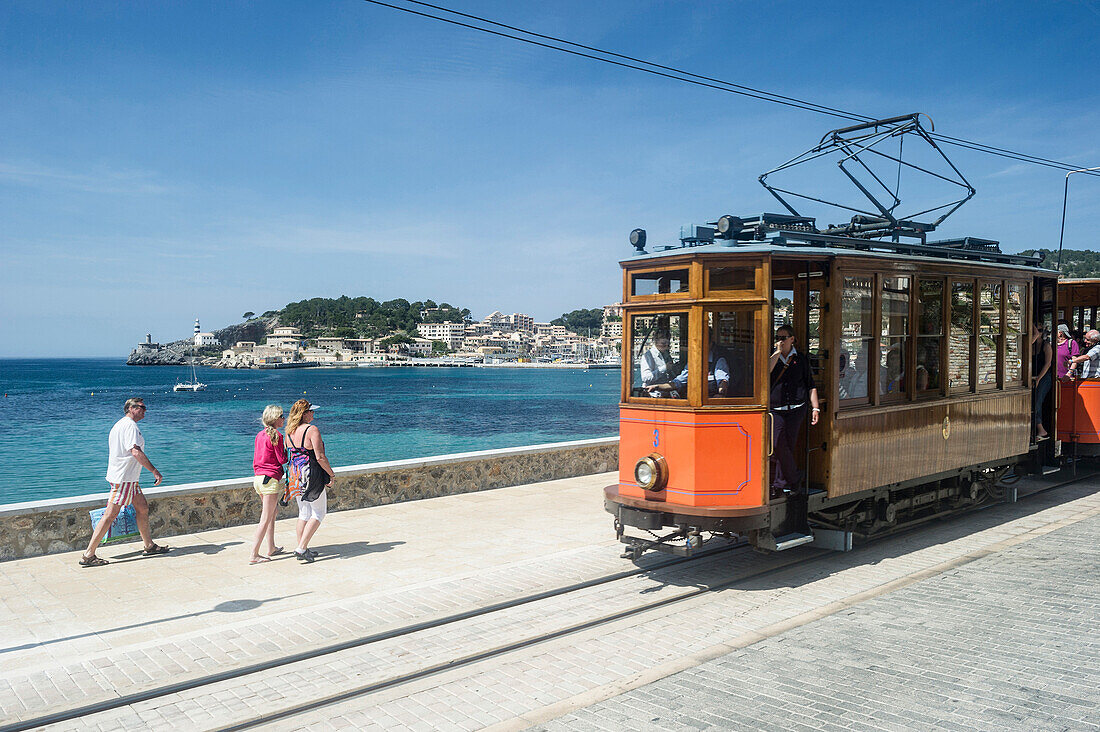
x=177 y=551
x=229 y=606
x=709 y=572
x=352 y=549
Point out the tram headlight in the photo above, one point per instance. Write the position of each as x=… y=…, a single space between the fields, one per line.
x=729 y=227
x=651 y=472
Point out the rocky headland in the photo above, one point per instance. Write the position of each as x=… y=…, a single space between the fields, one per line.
x=180 y=352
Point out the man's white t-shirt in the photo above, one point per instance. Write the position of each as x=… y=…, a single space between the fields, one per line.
x=122 y=466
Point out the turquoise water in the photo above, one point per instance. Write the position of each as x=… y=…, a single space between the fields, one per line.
x=56 y=413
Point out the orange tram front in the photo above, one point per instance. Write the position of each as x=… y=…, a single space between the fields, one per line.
x=1079 y=399
x=921 y=358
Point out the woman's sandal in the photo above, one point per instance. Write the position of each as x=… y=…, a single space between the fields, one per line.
x=260 y=560
x=92 y=561
x=276 y=552
x=155 y=549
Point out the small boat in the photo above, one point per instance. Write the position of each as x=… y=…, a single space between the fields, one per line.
x=193 y=385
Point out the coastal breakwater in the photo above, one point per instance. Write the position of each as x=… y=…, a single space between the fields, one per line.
x=62 y=524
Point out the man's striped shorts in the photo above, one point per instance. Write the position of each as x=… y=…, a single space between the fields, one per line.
x=122 y=494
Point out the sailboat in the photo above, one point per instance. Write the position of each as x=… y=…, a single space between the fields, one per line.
x=193 y=385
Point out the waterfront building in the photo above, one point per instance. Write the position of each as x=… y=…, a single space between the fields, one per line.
x=148 y=346
x=205 y=339
x=360 y=345
x=497 y=320
x=284 y=339
x=612 y=328
x=331 y=344
x=450 y=333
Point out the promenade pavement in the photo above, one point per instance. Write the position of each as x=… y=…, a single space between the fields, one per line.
x=1010 y=641
x=76 y=636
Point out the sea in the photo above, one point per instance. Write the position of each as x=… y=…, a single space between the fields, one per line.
x=55 y=415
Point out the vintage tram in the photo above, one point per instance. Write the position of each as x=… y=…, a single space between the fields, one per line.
x=921 y=354
x=1079 y=400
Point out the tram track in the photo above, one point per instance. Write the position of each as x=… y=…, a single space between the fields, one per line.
x=350 y=644
x=641 y=609
x=465 y=659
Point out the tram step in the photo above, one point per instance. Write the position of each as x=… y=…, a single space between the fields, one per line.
x=789 y=541
x=1049 y=469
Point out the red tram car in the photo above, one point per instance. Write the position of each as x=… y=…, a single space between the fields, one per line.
x=921 y=355
x=1079 y=399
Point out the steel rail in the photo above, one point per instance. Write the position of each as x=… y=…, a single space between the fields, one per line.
x=107 y=705
x=469 y=659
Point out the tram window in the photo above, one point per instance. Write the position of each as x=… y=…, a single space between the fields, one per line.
x=1014 y=335
x=731 y=278
x=989 y=332
x=929 y=335
x=894 y=335
x=659 y=283
x=730 y=353
x=660 y=355
x=962 y=328
x=813 y=317
x=857 y=332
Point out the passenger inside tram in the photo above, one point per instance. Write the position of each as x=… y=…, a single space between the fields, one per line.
x=718 y=374
x=892 y=377
x=1089 y=361
x=851 y=383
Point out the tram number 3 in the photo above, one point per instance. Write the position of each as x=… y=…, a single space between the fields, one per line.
x=656 y=439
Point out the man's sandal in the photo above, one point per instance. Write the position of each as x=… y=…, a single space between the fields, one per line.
x=92 y=561
x=155 y=549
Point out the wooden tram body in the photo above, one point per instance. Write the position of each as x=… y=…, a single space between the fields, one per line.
x=921 y=355
x=1079 y=400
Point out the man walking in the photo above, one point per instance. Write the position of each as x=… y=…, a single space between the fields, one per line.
x=125 y=459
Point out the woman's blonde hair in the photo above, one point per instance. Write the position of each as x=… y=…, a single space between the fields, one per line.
x=297 y=411
x=272 y=413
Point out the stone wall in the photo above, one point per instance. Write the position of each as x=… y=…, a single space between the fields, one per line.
x=60 y=525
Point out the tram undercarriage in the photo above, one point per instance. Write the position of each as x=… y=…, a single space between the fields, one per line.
x=798 y=519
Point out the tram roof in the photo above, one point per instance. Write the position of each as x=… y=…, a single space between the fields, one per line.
x=824 y=245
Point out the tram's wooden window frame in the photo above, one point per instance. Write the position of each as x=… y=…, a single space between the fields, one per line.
x=972 y=380
x=941 y=390
x=629 y=273
x=628 y=351
x=1024 y=335
x=761 y=378
x=761 y=283
x=999 y=338
x=908 y=367
x=871 y=378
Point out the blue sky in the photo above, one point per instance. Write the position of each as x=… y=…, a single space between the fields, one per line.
x=166 y=161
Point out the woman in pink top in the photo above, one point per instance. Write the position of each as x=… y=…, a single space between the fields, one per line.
x=267 y=466
x=1067 y=349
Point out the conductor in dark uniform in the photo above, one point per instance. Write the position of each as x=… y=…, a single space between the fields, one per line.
x=792 y=394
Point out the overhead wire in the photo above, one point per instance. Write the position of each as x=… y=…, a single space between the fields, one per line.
x=676 y=74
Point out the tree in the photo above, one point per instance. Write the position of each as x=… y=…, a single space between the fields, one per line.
x=439 y=348
x=1076 y=263
x=249 y=315
x=581 y=321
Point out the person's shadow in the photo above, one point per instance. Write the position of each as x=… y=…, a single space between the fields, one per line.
x=229 y=606
x=177 y=551
x=352 y=549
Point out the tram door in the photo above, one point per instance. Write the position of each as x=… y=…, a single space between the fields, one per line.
x=798 y=301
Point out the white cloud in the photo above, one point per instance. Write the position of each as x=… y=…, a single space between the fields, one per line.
x=105 y=181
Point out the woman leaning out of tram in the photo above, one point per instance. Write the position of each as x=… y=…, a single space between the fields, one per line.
x=1042 y=359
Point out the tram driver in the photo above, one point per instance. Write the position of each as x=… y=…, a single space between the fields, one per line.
x=657 y=366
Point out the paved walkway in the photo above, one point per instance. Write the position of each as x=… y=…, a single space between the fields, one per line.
x=75 y=636
x=1007 y=642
